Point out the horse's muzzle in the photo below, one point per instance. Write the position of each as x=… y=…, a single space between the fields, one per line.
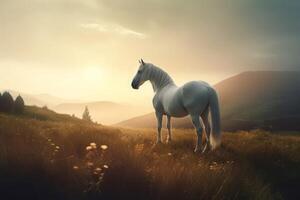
x=134 y=84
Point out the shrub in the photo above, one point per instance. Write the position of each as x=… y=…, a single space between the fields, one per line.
x=19 y=105
x=7 y=102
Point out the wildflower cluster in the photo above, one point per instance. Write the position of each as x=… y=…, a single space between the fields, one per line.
x=95 y=165
x=54 y=148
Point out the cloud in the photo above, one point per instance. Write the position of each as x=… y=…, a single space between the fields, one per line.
x=113 y=28
x=218 y=35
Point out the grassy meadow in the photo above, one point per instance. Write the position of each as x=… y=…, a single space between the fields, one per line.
x=44 y=155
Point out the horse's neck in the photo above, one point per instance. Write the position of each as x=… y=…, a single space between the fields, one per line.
x=159 y=79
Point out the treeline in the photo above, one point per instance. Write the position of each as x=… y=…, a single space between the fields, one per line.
x=9 y=105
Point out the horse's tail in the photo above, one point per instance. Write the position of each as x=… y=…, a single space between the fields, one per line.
x=215 y=136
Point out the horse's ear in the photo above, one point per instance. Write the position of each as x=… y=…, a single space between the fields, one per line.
x=142 y=62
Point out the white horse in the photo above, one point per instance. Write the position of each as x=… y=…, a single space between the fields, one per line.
x=195 y=98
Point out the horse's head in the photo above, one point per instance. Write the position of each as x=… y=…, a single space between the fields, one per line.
x=141 y=75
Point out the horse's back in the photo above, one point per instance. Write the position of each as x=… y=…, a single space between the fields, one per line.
x=195 y=96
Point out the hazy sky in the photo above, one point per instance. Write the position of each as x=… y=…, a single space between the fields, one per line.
x=88 y=49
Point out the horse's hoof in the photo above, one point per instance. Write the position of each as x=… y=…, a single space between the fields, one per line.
x=158 y=143
x=196 y=150
x=168 y=141
x=206 y=148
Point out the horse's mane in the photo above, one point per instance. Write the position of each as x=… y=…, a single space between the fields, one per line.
x=158 y=77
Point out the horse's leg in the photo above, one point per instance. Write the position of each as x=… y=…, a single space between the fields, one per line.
x=204 y=117
x=197 y=125
x=159 y=125
x=169 y=138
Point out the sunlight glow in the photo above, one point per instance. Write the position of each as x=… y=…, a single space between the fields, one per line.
x=93 y=73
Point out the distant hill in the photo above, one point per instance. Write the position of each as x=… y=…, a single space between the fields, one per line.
x=39 y=99
x=260 y=95
x=259 y=99
x=104 y=112
x=52 y=100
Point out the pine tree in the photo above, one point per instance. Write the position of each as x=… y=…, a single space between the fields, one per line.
x=19 y=105
x=86 y=115
x=7 y=103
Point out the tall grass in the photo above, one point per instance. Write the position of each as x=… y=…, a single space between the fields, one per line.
x=54 y=159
